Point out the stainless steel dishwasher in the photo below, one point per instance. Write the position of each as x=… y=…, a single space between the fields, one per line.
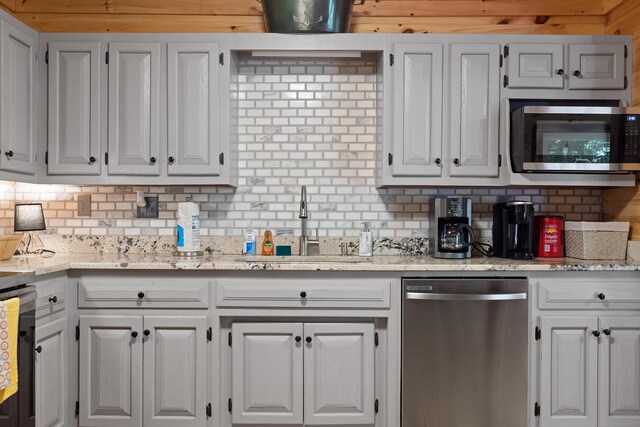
x=464 y=352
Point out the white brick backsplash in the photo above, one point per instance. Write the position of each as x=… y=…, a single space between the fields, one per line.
x=306 y=122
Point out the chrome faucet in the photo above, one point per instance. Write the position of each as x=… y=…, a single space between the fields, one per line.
x=308 y=246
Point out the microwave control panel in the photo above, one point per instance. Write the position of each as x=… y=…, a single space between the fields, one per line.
x=632 y=135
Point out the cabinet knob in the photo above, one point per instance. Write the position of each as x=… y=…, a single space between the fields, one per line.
x=560 y=72
x=146 y=332
x=577 y=73
x=140 y=295
x=596 y=333
x=23 y=333
x=303 y=294
x=92 y=160
x=134 y=334
x=152 y=160
x=53 y=299
x=601 y=296
x=9 y=154
x=171 y=160
x=438 y=161
x=39 y=349
x=308 y=339
x=456 y=161
x=298 y=338
x=607 y=332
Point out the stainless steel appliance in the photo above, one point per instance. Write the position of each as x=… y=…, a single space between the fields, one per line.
x=450 y=232
x=308 y=16
x=574 y=138
x=464 y=352
x=20 y=409
x=513 y=229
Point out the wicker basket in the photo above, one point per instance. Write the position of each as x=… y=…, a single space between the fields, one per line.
x=8 y=245
x=596 y=240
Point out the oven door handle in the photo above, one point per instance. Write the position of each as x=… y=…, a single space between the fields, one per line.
x=465 y=297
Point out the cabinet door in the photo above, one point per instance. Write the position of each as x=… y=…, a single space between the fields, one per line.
x=51 y=373
x=134 y=108
x=619 y=372
x=267 y=373
x=194 y=141
x=536 y=66
x=417 y=117
x=339 y=374
x=74 y=108
x=18 y=101
x=596 y=66
x=475 y=109
x=568 y=370
x=175 y=371
x=110 y=371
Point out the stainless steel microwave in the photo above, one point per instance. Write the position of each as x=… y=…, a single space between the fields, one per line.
x=575 y=139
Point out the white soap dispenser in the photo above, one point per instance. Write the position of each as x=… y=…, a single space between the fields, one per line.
x=366 y=242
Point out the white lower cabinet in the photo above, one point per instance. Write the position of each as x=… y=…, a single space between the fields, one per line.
x=142 y=371
x=303 y=373
x=51 y=372
x=590 y=371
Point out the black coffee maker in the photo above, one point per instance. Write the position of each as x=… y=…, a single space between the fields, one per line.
x=513 y=230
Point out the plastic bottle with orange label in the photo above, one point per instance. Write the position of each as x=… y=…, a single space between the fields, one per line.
x=267 y=243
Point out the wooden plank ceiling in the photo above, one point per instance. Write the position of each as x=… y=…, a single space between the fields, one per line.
x=389 y=16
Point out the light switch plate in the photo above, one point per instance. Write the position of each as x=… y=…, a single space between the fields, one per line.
x=84 y=204
x=149 y=211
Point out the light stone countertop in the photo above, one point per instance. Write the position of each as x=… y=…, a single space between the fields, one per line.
x=41 y=265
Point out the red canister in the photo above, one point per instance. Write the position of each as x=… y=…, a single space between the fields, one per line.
x=550 y=236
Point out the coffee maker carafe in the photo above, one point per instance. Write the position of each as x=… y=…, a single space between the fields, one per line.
x=450 y=233
x=513 y=230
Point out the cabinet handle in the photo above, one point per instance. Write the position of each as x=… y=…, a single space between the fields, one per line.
x=39 y=349
x=607 y=332
x=140 y=295
x=152 y=160
x=308 y=339
x=146 y=332
x=53 y=299
x=9 y=154
x=601 y=296
x=596 y=333
x=560 y=72
x=92 y=160
x=577 y=73
x=456 y=161
x=438 y=161
x=298 y=338
x=171 y=160
x=303 y=294
x=134 y=334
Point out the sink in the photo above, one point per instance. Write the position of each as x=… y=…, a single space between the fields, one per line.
x=314 y=259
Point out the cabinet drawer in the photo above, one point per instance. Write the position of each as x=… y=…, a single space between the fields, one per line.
x=104 y=292
x=370 y=293
x=51 y=297
x=589 y=295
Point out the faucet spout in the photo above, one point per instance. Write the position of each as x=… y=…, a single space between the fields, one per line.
x=303 y=204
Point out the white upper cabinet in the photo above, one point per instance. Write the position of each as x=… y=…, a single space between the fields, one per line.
x=599 y=66
x=536 y=65
x=193 y=113
x=474 y=114
x=18 y=95
x=74 y=108
x=417 y=117
x=134 y=108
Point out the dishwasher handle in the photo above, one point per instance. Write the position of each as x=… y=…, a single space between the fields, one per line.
x=465 y=297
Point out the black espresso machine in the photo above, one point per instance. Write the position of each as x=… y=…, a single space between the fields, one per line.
x=513 y=230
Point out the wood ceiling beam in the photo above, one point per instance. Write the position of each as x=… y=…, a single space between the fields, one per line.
x=420 y=8
x=364 y=24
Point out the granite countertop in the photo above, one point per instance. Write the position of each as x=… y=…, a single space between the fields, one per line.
x=41 y=265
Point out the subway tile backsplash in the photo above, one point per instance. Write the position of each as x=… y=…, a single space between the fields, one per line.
x=300 y=123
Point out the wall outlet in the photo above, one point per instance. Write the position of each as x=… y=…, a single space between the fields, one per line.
x=149 y=211
x=84 y=205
